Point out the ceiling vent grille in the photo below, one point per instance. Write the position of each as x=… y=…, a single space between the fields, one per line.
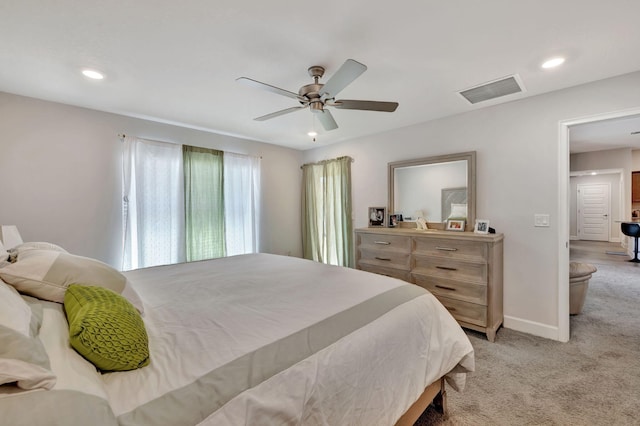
x=493 y=89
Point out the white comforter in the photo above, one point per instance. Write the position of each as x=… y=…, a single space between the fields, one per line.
x=203 y=315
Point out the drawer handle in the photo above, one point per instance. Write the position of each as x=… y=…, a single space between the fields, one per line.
x=384 y=243
x=445 y=288
x=383 y=258
x=446 y=248
x=447 y=268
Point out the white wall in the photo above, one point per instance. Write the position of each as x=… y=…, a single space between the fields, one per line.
x=60 y=168
x=517 y=176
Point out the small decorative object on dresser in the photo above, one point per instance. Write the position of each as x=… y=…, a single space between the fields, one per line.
x=455 y=225
x=394 y=219
x=377 y=216
x=481 y=227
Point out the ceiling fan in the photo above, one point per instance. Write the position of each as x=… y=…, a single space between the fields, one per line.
x=317 y=96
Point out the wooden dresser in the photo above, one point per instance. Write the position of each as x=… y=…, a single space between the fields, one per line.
x=462 y=269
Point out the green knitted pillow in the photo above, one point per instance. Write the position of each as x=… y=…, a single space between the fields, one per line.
x=106 y=328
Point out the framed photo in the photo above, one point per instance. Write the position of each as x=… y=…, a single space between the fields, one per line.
x=394 y=219
x=377 y=216
x=481 y=226
x=455 y=225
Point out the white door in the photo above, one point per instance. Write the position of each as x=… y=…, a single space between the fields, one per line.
x=593 y=212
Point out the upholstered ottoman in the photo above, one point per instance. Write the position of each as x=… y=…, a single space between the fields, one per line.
x=579 y=275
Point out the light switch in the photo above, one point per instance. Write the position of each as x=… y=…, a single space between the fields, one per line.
x=541 y=220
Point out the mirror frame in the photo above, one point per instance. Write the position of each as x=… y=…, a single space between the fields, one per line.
x=470 y=157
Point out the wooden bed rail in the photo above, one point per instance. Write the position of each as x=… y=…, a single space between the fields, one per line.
x=435 y=393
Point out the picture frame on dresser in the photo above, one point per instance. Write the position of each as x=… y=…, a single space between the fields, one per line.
x=481 y=226
x=455 y=225
x=377 y=217
x=394 y=219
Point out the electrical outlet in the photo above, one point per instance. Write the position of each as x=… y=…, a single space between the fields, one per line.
x=541 y=220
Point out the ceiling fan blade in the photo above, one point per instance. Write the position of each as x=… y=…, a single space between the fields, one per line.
x=326 y=119
x=365 y=105
x=348 y=72
x=270 y=88
x=279 y=113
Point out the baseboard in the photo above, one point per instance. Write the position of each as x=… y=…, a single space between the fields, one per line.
x=573 y=237
x=532 y=327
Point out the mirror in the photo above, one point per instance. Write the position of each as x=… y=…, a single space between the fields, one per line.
x=435 y=187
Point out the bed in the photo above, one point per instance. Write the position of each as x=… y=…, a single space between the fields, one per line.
x=256 y=339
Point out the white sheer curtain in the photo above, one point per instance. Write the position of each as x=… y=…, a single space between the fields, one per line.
x=241 y=203
x=153 y=203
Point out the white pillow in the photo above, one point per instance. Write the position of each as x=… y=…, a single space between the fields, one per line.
x=458 y=211
x=46 y=274
x=4 y=254
x=14 y=311
x=15 y=251
x=23 y=358
x=24 y=361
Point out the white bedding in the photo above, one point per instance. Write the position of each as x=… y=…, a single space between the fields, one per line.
x=203 y=317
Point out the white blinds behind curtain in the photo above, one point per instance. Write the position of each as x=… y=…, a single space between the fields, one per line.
x=241 y=203
x=153 y=203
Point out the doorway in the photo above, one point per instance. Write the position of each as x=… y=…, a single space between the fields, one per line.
x=564 y=201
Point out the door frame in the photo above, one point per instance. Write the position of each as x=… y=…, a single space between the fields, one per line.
x=563 y=211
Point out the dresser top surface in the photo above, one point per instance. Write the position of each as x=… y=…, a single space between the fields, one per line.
x=435 y=233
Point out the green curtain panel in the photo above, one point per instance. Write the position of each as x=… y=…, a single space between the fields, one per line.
x=204 y=203
x=327 y=230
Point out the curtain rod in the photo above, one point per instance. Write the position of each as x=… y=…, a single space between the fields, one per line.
x=121 y=136
x=326 y=161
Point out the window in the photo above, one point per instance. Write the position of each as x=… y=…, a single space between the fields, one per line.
x=187 y=203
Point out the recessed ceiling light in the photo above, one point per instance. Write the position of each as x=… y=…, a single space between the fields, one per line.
x=313 y=134
x=93 y=74
x=552 y=63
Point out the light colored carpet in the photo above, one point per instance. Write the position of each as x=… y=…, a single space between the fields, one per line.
x=594 y=379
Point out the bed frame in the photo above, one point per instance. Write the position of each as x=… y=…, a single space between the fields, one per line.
x=434 y=393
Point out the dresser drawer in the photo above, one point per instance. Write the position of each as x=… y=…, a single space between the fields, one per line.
x=389 y=272
x=385 y=258
x=451 y=269
x=461 y=290
x=475 y=251
x=399 y=243
x=465 y=311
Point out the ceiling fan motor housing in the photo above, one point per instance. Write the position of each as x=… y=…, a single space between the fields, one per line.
x=312 y=93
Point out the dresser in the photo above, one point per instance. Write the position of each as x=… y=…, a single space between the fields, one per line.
x=462 y=269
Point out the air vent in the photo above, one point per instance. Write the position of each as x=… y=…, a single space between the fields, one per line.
x=493 y=89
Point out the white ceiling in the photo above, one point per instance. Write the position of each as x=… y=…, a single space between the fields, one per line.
x=606 y=134
x=177 y=61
